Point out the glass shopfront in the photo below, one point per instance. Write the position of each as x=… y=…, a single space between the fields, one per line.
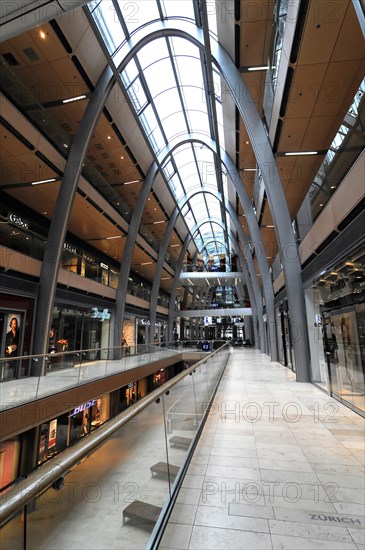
x=337 y=306
x=59 y=433
x=75 y=328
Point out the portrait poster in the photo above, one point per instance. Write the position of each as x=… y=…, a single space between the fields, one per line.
x=12 y=338
x=52 y=433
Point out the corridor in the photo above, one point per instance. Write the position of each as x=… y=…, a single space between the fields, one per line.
x=279 y=465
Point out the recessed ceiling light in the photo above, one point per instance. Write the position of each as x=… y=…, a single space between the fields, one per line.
x=109 y=137
x=44 y=213
x=76 y=98
x=259 y=68
x=301 y=153
x=122 y=158
x=43 y=181
x=42 y=34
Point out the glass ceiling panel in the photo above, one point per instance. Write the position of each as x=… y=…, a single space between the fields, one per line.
x=174 y=127
x=164 y=121
x=158 y=85
x=129 y=73
x=183 y=47
x=188 y=67
x=174 y=8
x=138 y=13
x=108 y=24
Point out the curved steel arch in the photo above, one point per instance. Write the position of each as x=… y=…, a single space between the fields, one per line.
x=271 y=346
x=264 y=157
x=251 y=269
x=253 y=229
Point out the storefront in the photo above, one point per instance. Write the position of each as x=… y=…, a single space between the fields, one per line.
x=61 y=432
x=337 y=305
x=78 y=327
x=9 y=461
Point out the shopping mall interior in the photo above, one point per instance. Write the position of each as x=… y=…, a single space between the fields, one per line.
x=182 y=274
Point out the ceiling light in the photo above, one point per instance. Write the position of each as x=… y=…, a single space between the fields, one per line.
x=250 y=169
x=133 y=181
x=321 y=204
x=333 y=186
x=165 y=278
x=269 y=225
x=259 y=68
x=122 y=158
x=174 y=245
x=42 y=34
x=146 y=263
x=115 y=237
x=109 y=137
x=161 y=221
x=247 y=142
x=76 y=98
x=44 y=213
x=299 y=153
x=43 y=181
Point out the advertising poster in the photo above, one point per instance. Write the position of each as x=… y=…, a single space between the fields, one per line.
x=12 y=335
x=52 y=433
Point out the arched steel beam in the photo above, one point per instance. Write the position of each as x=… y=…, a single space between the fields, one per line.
x=255 y=297
x=264 y=157
x=252 y=271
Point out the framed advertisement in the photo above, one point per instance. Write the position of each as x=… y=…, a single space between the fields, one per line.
x=52 y=433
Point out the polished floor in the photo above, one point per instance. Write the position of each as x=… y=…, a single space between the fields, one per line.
x=280 y=465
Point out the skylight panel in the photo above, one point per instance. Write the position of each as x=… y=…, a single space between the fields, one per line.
x=153 y=52
x=176 y=187
x=138 y=13
x=198 y=122
x=137 y=95
x=168 y=169
x=166 y=78
x=152 y=129
x=108 y=24
x=178 y=8
x=129 y=73
x=174 y=127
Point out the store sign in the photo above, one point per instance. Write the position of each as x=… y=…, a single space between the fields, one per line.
x=96 y=314
x=70 y=248
x=17 y=220
x=104 y=266
x=83 y=407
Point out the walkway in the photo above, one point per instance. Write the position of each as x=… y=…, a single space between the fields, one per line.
x=23 y=390
x=280 y=465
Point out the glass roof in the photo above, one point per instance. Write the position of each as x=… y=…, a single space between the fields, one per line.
x=167 y=85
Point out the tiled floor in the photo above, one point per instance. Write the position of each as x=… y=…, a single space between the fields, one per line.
x=280 y=465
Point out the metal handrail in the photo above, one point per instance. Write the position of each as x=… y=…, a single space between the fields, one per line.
x=55 y=354
x=41 y=479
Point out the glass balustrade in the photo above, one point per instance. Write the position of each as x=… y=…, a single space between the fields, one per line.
x=120 y=492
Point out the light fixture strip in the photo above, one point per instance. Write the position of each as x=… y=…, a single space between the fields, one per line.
x=43 y=181
x=76 y=98
x=301 y=153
